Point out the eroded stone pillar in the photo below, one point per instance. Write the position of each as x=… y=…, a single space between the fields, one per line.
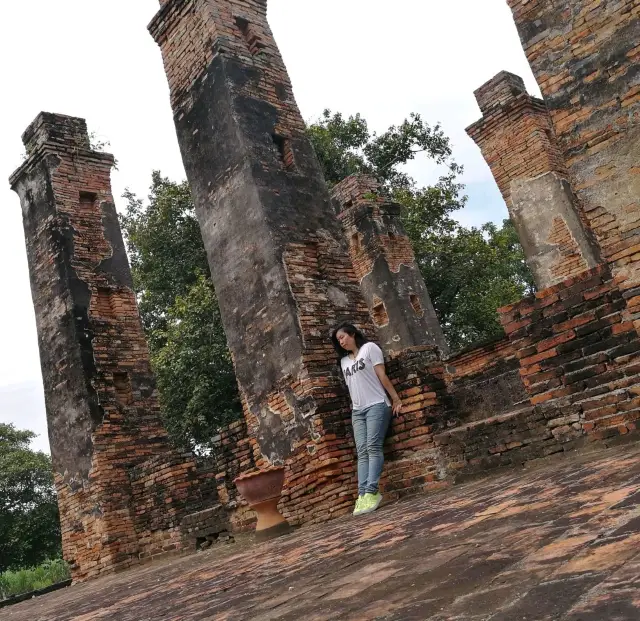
x=517 y=140
x=102 y=409
x=280 y=266
x=586 y=59
x=385 y=266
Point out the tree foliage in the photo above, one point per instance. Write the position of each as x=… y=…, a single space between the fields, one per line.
x=194 y=368
x=469 y=272
x=29 y=520
x=180 y=313
x=165 y=249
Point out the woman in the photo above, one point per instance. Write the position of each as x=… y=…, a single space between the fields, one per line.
x=362 y=365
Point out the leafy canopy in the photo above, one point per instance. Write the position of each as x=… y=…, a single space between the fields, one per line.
x=180 y=313
x=29 y=521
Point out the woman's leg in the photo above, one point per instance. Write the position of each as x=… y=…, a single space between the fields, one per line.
x=359 y=422
x=377 y=417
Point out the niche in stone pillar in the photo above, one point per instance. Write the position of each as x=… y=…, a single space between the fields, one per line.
x=415 y=304
x=88 y=199
x=285 y=152
x=379 y=312
x=122 y=384
x=251 y=36
x=356 y=243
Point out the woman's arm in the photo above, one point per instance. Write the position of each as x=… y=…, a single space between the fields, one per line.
x=396 y=404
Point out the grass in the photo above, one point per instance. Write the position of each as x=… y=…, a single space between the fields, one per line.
x=33 y=579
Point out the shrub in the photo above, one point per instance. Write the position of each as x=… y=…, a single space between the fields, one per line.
x=33 y=579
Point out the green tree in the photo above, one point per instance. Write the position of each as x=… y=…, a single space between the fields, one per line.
x=165 y=249
x=346 y=146
x=29 y=520
x=470 y=273
x=447 y=253
x=194 y=368
x=180 y=313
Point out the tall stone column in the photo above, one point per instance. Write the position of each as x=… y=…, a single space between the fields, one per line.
x=278 y=258
x=385 y=266
x=102 y=410
x=586 y=59
x=517 y=140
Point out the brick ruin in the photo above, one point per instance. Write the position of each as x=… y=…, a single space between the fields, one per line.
x=385 y=266
x=585 y=57
x=276 y=250
x=518 y=141
x=289 y=261
x=122 y=490
x=236 y=119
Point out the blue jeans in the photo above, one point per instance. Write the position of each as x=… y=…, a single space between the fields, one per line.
x=369 y=430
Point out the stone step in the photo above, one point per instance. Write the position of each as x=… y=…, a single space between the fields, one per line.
x=499 y=441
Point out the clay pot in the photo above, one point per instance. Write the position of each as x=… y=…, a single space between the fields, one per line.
x=262 y=492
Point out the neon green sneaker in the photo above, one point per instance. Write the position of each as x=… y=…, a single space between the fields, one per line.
x=359 y=506
x=371 y=502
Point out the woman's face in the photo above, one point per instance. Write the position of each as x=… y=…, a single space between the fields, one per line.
x=346 y=341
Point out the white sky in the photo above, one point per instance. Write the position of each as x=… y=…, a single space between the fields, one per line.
x=95 y=59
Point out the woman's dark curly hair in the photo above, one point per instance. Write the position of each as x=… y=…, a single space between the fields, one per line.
x=351 y=330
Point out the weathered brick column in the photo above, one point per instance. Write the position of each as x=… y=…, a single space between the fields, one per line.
x=516 y=138
x=385 y=266
x=101 y=403
x=586 y=58
x=279 y=261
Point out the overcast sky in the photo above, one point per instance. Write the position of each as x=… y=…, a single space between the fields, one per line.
x=95 y=59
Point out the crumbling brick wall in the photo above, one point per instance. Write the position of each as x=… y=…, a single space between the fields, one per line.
x=327 y=460
x=232 y=454
x=579 y=361
x=497 y=441
x=385 y=266
x=101 y=402
x=484 y=380
x=517 y=139
x=576 y=341
x=586 y=58
x=579 y=357
x=413 y=463
x=165 y=489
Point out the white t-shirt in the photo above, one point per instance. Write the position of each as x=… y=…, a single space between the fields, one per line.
x=363 y=383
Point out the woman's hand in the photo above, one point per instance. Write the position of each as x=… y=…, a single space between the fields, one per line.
x=396 y=404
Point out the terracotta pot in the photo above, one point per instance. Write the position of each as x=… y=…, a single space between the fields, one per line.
x=262 y=492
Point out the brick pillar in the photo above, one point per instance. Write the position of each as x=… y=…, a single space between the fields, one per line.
x=101 y=403
x=277 y=254
x=385 y=266
x=516 y=138
x=586 y=58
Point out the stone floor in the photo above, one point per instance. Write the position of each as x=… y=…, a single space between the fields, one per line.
x=557 y=542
